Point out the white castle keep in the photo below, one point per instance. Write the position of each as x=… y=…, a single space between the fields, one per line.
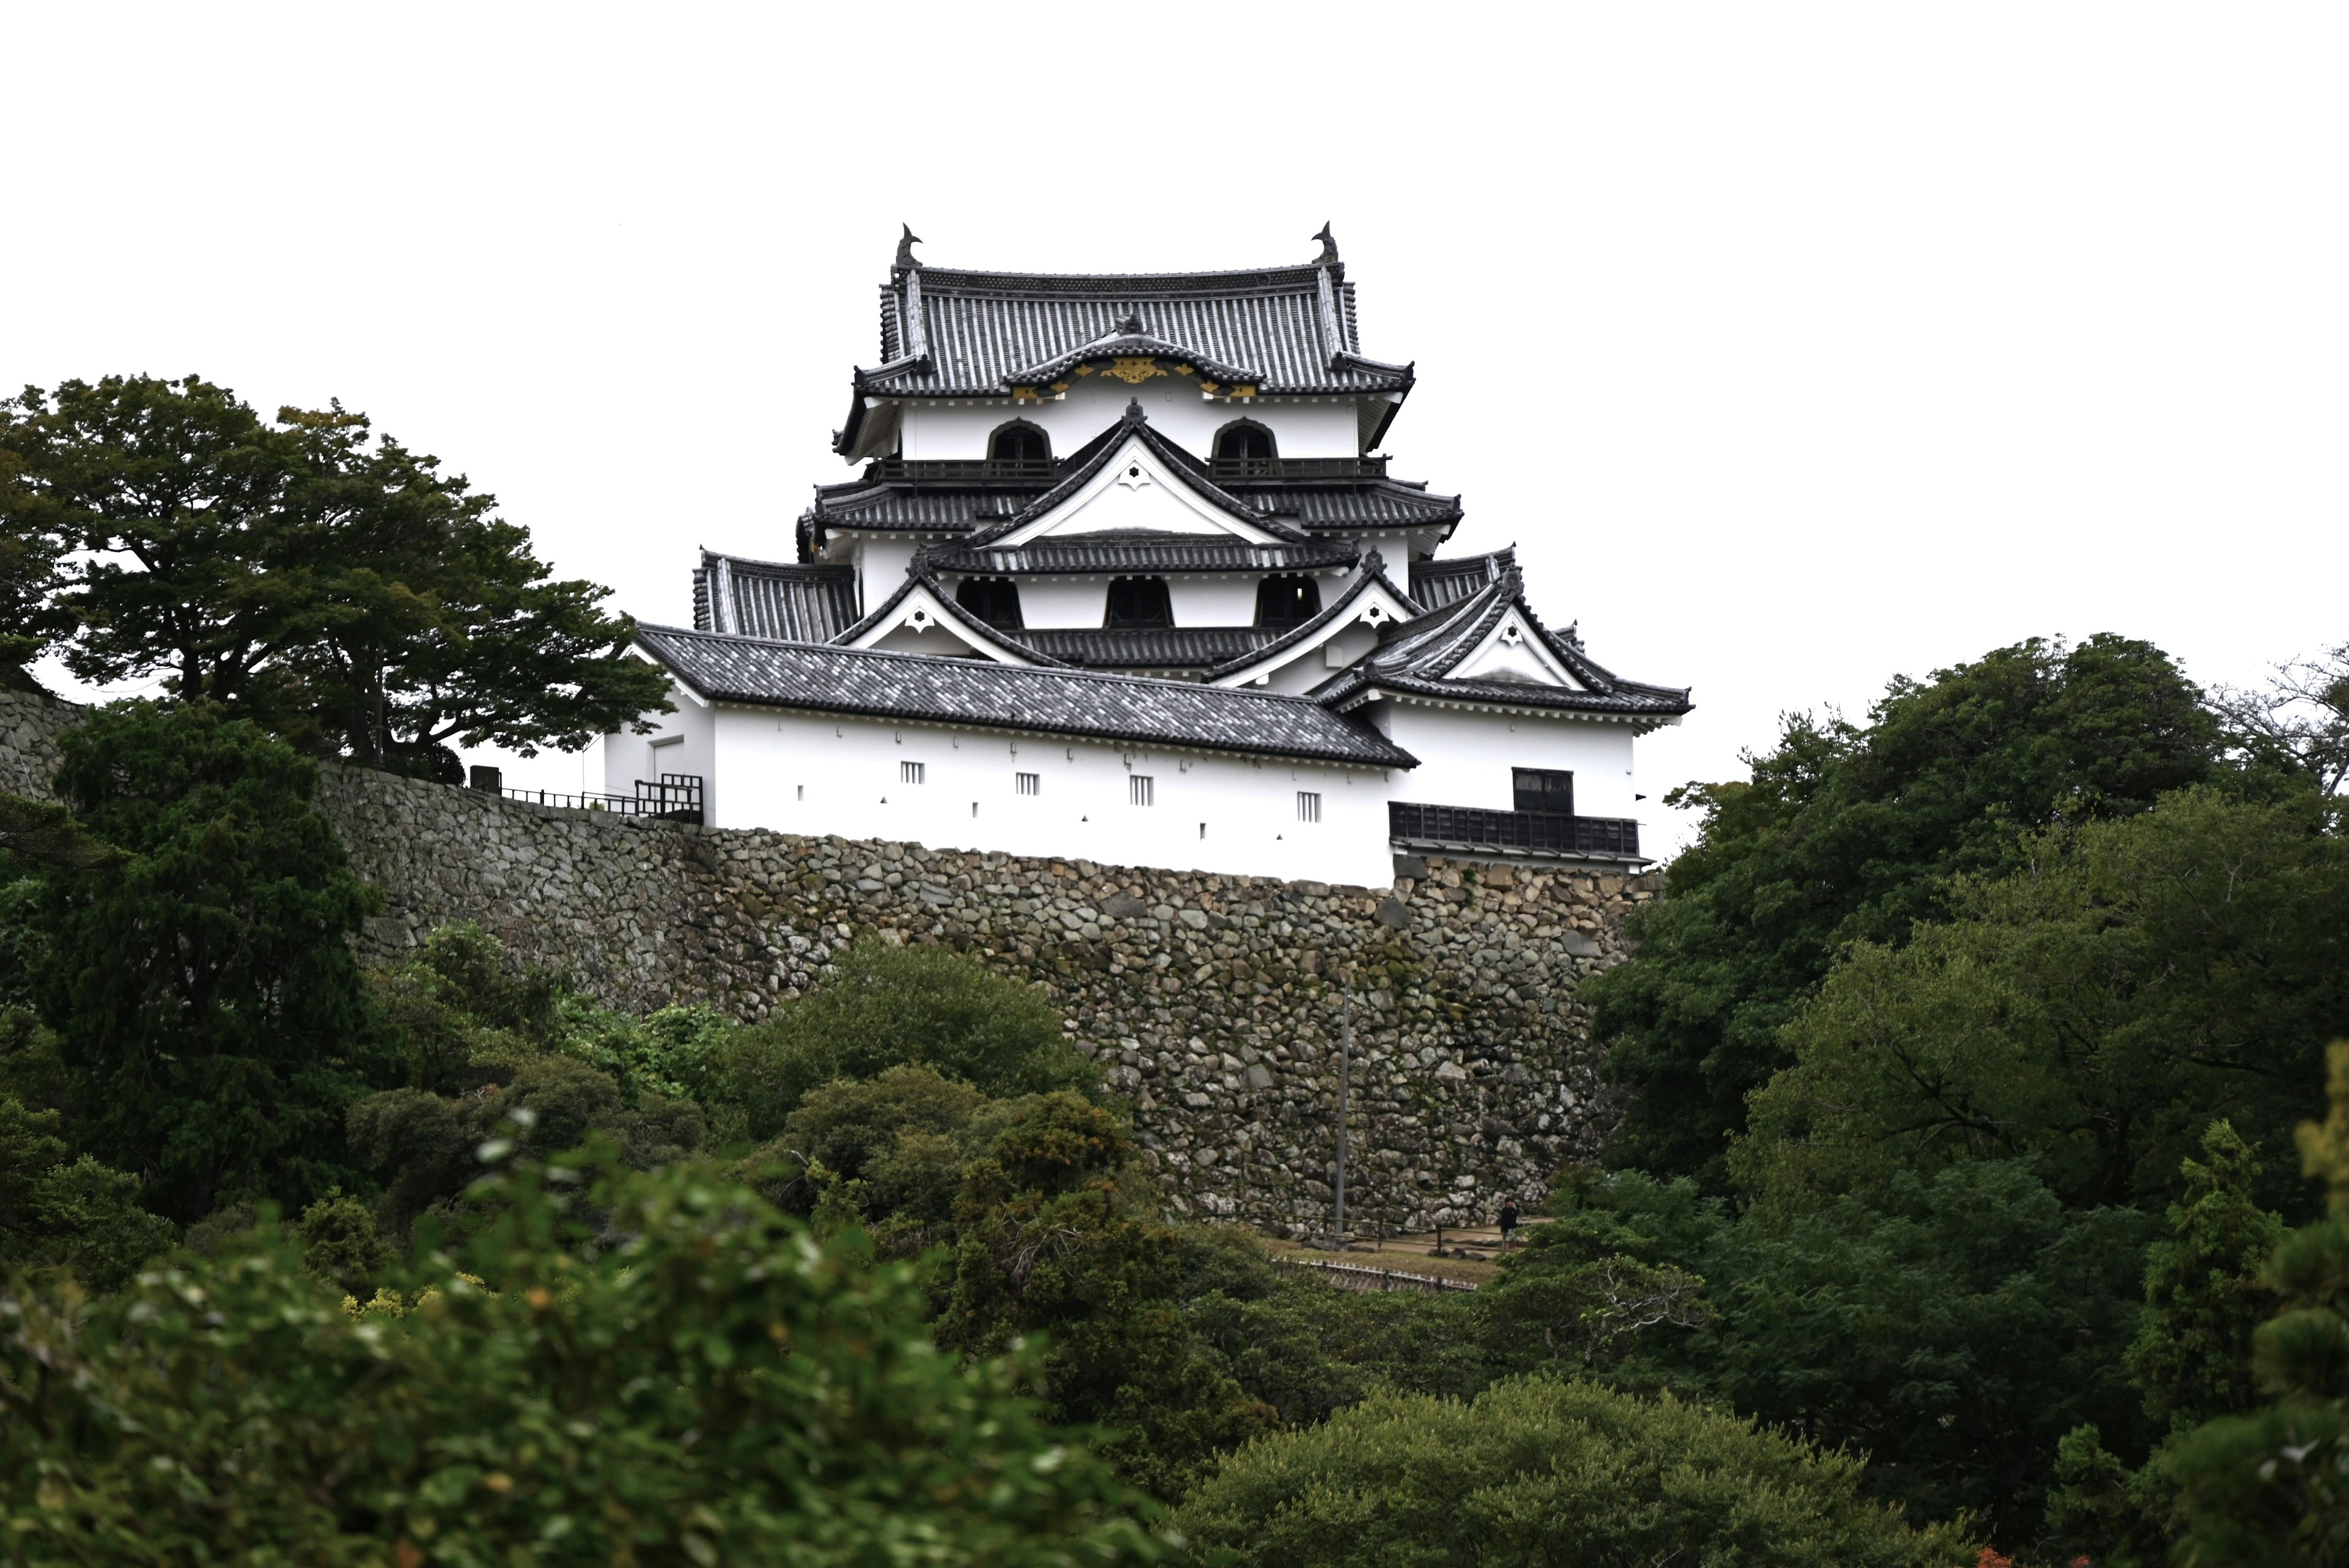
x=1124 y=578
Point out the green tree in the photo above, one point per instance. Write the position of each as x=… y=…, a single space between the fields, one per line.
x=210 y=1017
x=2272 y=1486
x=1952 y=1328
x=1047 y=1244
x=2090 y=1016
x=1848 y=833
x=716 y=1388
x=1541 y=1471
x=2192 y=1358
x=883 y=1005
x=335 y=587
x=31 y=575
x=56 y=1212
x=425 y=1148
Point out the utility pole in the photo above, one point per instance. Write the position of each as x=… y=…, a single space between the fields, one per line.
x=1345 y=1060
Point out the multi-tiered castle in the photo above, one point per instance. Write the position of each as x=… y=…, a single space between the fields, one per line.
x=1125 y=578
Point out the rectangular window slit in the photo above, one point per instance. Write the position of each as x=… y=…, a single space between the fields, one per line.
x=1308 y=806
x=1143 y=789
x=1026 y=784
x=911 y=772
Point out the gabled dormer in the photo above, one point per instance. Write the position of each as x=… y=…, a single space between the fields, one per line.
x=1132 y=480
x=1342 y=635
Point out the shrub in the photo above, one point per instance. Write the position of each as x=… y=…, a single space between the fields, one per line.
x=716 y=1388
x=883 y=1006
x=1542 y=1470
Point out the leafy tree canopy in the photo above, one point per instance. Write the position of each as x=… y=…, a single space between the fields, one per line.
x=336 y=587
x=1542 y=1470
x=629 y=1369
x=2090 y=1016
x=1848 y=833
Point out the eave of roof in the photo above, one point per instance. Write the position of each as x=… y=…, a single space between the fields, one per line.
x=968 y=693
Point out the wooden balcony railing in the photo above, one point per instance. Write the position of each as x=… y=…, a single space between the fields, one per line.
x=673 y=798
x=1533 y=832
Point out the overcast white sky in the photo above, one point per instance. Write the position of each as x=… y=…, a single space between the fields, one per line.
x=1794 y=345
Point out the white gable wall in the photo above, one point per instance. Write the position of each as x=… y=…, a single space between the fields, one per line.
x=1465 y=757
x=812 y=773
x=1301 y=426
x=684 y=742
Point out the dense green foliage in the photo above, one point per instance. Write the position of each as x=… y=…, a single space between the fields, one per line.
x=337 y=590
x=883 y=1006
x=2271 y=1485
x=210 y=1022
x=1541 y=1471
x=1048 y=1244
x=2089 y=1016
x=630 y=1370
x=1849 y=834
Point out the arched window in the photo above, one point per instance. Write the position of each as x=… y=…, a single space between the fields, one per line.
x=1021 y=448
x=995 y=601
x=1138 y=602
x=1245 y=448
x=1286 y=601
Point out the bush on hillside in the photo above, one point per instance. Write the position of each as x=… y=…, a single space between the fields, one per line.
x=1542 y=1470
x=883 y=1006
x=627 y=1369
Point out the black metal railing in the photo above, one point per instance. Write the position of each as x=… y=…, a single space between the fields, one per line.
x=1034 y=473
x=1028 y=473
x=1537 y=832
x=673 y=798
x=1298 y=468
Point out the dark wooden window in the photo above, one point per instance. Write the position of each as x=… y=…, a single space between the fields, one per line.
x=995 y=601
x=1286 y=601
x=1244 y=449
x=1140 y=602
x=1545 y=789
x=1019 y=445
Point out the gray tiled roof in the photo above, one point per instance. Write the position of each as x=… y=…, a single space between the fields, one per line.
x=1139 y=551
x=919 y=688
x=1417 y=658
x=1385 y=502
x=1145 y=648
x=948 y=331
x=1435 y=584
x=769 y=598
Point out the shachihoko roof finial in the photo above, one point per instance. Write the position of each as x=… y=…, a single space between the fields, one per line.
x=1134 y=411
x=1329 y=247
x=906 y=247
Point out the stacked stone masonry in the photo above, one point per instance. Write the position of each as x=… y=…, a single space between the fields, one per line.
x=1211 y=1002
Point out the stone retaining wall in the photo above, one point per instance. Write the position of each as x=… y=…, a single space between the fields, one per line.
x=1211 y=1001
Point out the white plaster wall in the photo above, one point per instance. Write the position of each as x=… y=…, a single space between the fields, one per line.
x=881 y=565
x=1465 y=757
x=1301 y=428
x=809 y=774
x=1212 y=601
x=1057 y=602
x=683 y=742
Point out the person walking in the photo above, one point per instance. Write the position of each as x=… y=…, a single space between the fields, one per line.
x=1509 y=1221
